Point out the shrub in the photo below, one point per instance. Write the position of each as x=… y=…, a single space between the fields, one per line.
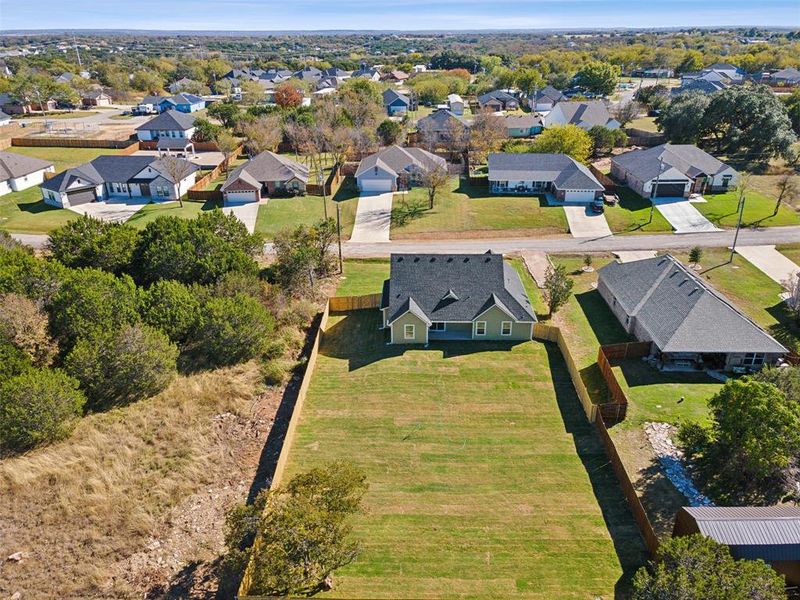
x=91 y=303
x=275 y=372
x=124 y=366
x=173 y=308
x=89 y=242
x=233 y=329
x=13 y=361
x=24 y=324
x=23 y=273
x=38 y=406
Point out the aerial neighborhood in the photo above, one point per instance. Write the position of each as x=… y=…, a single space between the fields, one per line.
x=371 y=314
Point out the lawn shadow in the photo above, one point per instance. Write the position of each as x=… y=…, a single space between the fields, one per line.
x=481 y=192
x=660 y=498
x=196 y=581
x=358 y=338
x=347 y=191
x=639 y=373
x=36 y=207
x=787 y=329
x=607 y=329
x=628 y=543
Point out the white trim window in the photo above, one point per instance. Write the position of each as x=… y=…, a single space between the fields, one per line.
x=438 y=326
x=506 y=327
x=409 y=332
x=480 y=328
x=754 y=359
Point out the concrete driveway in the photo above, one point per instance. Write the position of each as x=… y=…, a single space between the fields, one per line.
x=113 y=211
x=767 y=259
x=683 y=217
x=373 y=218
x=246 y=212
x=584 y=223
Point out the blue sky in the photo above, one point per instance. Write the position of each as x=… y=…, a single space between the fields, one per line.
x=405 y=14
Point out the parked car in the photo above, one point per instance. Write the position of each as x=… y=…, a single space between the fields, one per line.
x=598 y=206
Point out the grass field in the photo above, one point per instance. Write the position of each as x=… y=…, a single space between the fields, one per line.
x=486 y=480
x=150 y=212
x=632 y=214
x=721 y=209
x=645 y=124
x=792 y=251
x=463 y=209
x=362 y=277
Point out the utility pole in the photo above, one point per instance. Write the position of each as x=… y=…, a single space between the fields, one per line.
x=321 y=182
x=77 y=51
x=654 y=189
x=738 y=224
x=339 y=234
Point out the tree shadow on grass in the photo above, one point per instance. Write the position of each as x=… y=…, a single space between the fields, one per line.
x=660 y=499
x=787 y=329
x=627 y=540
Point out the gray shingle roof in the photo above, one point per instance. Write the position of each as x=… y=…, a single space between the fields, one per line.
x=170 y=120
x=680 y=312
x=18 y=165
x=440 y=120
x=587 y=114
x=564 y=171
x=427 y=282
x=522 y=121
x=267 y=166
x=396 y=160
x=500 y=95
x=390 y=96
x=686 y=158
x=104 y=169
x=170 y=143
x=548 y=92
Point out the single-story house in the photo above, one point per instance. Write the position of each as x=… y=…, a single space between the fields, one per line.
x=182 y=102
x=96 y=98
x=688 y=323
x=14 y=106
x=522 y=126
x=498 y=100
x=441 y=125
x=583 y=114
x=654 y=73
x=702 y=86
x=769 y=533
x=395 y=168
x=396 y=103
x=149 y=105
x=308 y=73
x=456 y=104
x=560 y=175
x=267 y=174
x=370 y=73
x=395 y=76
x=454 y=297
x=19 y=172
x=182 y=84
x=171 y=123
x=119 y=177
x=788 y=76
x=545 y=99
x=673 y=171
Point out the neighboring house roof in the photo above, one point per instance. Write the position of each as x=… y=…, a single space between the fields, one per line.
x=154 y=100
x=183 y=98
x=564 y=171
x=500 y=95
x=440 y=120
x=17 y=165
x=117 y=169
x=767 y=532
x=4 y=116
x=267 y=166
x=585 y=114
x=680 y=312
x=686 y=158
x=522 y=121
x=698 y=85
x=549 y=93
x=398 y=75
x=95 y=94
x=788 y=74
x=390 y=96
x=170 y=143
x=453 y=98
x=395 y=159
x=454 y=287
x=170 y=120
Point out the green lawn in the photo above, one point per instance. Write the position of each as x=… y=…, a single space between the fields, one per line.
x=151 y=211
x=363 y=276
x=486 y=480
x=792 y=251
x=632 y=214
x=75 y=114
x=462 y=209
x=280 y=213
x=645 y=124
x=721 y=209
x=26 y=212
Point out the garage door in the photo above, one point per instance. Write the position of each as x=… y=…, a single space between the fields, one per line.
x=670 y=190
x=376 y=185
x=579 y=196
x=241 y=197
x=81 y=197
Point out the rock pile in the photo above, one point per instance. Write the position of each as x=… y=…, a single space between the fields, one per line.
x=672 y=462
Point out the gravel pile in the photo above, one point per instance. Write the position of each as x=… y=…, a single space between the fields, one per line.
x=672 y=462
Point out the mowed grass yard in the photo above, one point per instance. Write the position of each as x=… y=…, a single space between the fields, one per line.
x=463 y=210
x=486 y=480
x=721 y=209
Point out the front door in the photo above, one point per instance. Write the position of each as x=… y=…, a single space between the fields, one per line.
x=145 y=189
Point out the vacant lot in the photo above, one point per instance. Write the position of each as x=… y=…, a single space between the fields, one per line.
x=486 y=480
x=721 y=209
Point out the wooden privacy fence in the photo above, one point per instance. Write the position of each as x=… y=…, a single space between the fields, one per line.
x=196 y=192
x=345 y=303
x=604 y=179
x=39 y=142
x=331 y=185
x=617 y=410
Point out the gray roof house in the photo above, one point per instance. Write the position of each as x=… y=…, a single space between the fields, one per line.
x=440 y=125
x=455 y=297
x=673 y=171
x=545 y=99
x=19 y=172
x=395 y=102
x=583 y=114
x=4 y=118
x=769 y=533
x=134 y=178
x=689 y=324
x=558 y=175
x=267 y=174
x=395 y=168
x=787 y=76
x=170 y=123
x=498 y=100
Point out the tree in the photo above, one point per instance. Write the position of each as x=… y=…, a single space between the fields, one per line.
x=304 y=255
x=785 y=378
x=598 y=77
x=33 y=88
x=792 y=102
x=177 y=169
x=148 y=81
x=119 y=367
x=683 y=120
x=264 y=134
x=696 y=567
x=90 y=242
x=653 y=96
x=205 y=131
x=38 y=406
x=304 y=530
x=788 y=191
x=604 y=140
x=691 y=62
x=557 y=288
x=564 y=139
x=486 y=134
x=389 y=132
x=252 y=92
x=173 y=308
x=25 y=326
x=504 y=78
x=227 y=144
x=232 y=330
x=753 y=435
x=434 y=178
x=695 y=255
x=529 y=80
x=626 y=112
x=13 y=361
x=227 y=112
x=288 y=96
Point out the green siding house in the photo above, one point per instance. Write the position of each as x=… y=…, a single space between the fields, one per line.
x=523 y=126
x=455 y=297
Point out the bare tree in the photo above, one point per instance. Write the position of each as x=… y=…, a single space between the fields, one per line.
x=265 y=133
x=487 y=134
x=177 y=169
x=427 y=136
x=792 y=286
x=433 y=179
x=626 y=112
x=455 y=138
x=788 y=191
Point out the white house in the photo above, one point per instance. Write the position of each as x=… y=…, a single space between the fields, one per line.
x=395 y=168
x=18 y=172
x=120 y=177
x=456 y=104
x=171 y=123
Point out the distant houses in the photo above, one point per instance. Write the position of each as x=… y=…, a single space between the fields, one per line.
x=498 y=100
x=456 y=104
x=182 y=102
x=95 y=98
x=523 y=126
x=169 y=124
x=396 y=103
x=545 y=99
x=440 y=126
